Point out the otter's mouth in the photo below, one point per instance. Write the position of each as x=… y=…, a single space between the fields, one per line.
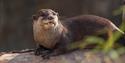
x=48 y=25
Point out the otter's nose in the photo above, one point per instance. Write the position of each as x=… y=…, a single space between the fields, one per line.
x=45 y=14
x=50 y=17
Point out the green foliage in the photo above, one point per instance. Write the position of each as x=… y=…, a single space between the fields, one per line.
x=104 y=45
x=116 y=35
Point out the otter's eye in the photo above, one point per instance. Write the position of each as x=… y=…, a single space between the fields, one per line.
x=54 y=13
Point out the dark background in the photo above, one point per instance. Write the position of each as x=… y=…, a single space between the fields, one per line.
x=16 y=17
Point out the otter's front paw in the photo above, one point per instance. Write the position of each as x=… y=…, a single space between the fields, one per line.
x=40 y=51
x=50 y=54
x=43 y=53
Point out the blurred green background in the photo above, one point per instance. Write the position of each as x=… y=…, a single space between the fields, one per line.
x=16 y=17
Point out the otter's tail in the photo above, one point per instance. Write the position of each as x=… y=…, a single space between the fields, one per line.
x=114 y=27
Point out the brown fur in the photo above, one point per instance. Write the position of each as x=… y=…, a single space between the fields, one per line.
x=70 y=30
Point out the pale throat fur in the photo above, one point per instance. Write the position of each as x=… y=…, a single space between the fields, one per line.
x=46 y=35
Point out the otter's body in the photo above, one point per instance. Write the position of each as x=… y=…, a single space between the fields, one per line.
x=86 y=25
x=57 y=35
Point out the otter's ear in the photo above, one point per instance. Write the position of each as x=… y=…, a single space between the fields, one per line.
x=34 y=17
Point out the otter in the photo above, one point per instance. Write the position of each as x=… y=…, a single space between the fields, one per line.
x=54 y=35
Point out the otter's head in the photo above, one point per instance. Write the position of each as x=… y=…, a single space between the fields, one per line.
x=46 y=18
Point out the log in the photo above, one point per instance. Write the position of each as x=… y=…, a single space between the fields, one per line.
x=73 y=57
